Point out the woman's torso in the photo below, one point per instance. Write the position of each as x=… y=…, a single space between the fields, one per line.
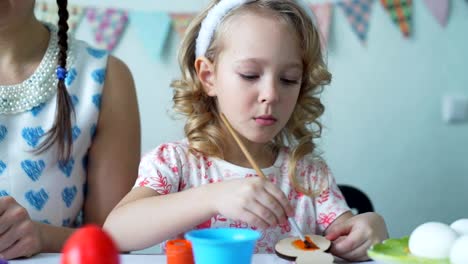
x=52 y=191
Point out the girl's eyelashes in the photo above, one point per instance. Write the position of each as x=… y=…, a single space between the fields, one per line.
x=290 y=81
x=249 y=77
x=253 y=77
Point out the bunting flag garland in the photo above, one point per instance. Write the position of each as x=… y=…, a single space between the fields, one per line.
x=323 y=13
x=48 y=12
x=108 y=26
x=401 y=12
x=358 y=14
x=439 y=9
x=181 y=22
x=153 y=29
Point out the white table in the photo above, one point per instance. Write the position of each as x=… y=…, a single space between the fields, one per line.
x=149 y=259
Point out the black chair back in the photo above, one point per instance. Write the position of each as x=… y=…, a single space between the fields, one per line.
x=356 y=199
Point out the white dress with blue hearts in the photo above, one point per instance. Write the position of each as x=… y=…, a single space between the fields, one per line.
x=53 y=191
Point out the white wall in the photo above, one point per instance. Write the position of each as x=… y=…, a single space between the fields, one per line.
x=384 y=130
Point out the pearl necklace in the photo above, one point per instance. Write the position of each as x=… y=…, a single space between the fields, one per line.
x=39 y=87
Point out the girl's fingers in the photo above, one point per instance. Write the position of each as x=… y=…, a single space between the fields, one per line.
x=254 y=218
x=350 y=242
x=338 y=230
x=273 y=206
x=263 y=212
x=359 y=253
x=280 y=197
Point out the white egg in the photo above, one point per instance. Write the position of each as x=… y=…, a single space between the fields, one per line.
x=459 y=251
x=461 y=226
x=432 y=240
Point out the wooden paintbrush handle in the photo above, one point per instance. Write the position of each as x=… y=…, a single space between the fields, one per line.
x=242 y=147
x=292 y=221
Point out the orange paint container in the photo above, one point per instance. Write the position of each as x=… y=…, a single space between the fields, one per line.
x=179 y=251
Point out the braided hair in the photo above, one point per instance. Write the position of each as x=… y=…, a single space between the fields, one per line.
x=61 y=131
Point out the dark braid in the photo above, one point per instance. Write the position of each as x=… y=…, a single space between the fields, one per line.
x=61 y=131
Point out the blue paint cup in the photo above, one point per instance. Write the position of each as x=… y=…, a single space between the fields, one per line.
x=223 y=245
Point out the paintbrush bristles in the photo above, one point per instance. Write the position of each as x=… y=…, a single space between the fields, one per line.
x=242 y=147
x=307 y=244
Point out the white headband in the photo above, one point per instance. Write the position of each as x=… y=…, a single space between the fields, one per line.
x=211 y=21
x=216 y=15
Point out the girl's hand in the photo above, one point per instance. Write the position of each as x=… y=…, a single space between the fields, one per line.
x=353 y=237
x=255 y=201
x=19 y=235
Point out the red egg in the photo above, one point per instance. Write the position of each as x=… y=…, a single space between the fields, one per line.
x=90 y=245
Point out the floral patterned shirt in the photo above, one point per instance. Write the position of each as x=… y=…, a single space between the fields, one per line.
x=172 y=168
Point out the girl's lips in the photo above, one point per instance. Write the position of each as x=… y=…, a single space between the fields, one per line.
x=265 y=120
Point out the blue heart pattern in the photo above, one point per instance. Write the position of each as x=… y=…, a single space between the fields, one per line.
x=66 y=167
x=96 y=53
x=32 y=135
x=3 y=166
x=74 y=100
x=76 y=131
x=97 y=100
x=71 y=76
x=99 y=75
x=68 y=195
x=37 y=199
x=3 y=132
x=66 y=222
x=3 y=193
x=33 y=169
x=37 y=109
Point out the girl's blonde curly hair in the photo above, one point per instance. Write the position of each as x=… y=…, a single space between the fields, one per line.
x=203 y=125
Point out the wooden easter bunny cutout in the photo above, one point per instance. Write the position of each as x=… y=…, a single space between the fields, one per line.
x=290 y=249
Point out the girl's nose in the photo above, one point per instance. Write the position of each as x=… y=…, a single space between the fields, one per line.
x=269 y=92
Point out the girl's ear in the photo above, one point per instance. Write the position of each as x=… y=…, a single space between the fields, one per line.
x=206 y=74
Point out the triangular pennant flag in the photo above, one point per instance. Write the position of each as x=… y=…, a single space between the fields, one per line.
x=401 y=12
x=48 y=12
x=108 y=26
x=181 y=22
x=358 y=13
x=323 y=13
x=153 y=29
x=439 y=9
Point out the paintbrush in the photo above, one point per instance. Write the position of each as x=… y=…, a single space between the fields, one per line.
x=252 y=162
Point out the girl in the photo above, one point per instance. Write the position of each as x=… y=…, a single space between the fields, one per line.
x=259 y=63
x=63 y=108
